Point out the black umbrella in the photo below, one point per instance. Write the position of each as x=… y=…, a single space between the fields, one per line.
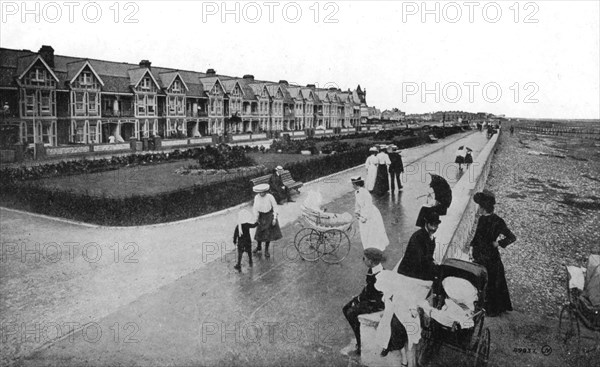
x=442 y=191
x=443 y=195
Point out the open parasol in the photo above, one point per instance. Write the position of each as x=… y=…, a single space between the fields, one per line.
x=443 y=196
x=442 y=191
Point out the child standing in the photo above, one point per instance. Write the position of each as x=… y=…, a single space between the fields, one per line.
x=241 y=237
x=370 y=299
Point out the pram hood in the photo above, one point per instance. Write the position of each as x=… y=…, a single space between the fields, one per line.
x=474 y=273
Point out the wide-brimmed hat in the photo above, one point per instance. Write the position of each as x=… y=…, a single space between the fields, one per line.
x=373 y=149
x=485 y=197
x=374 y=254
x=279 y=168
x=356 y=179
x=432 y=217
x=261 y=188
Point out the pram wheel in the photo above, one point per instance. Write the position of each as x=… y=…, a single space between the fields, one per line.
x=308 y=244
x=569 y=332
x=335 y=246
x=483 y=349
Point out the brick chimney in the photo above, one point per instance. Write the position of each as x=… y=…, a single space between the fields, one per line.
x=211 y=72
x=249 y=77
x=47 y=53
x=145 y=64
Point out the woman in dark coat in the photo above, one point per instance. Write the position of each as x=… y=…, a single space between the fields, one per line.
x=492 y=232
x=382 y=184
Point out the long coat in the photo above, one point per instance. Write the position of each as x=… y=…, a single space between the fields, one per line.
x=489 y=228
x=418 y=257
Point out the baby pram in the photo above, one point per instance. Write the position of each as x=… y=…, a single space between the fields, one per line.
x=453 y=315
x=583 y=304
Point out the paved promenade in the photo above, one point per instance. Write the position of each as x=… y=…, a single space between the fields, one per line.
x=171 y=288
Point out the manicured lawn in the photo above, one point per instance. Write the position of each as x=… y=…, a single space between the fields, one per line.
x=153 y=179
x=130 y=181
x=272 y=160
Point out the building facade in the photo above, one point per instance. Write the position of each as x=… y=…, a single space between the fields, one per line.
x=61 y=100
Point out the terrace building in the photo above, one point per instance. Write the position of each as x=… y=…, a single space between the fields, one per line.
x=66 y=101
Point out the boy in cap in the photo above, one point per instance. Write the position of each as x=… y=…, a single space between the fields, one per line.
x=370 y=299
x=241 y=237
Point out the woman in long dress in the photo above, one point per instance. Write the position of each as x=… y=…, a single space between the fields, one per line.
x=382 y=183
x=372 y=229
x=371 y=166
x=492 y=232
x=265 y=208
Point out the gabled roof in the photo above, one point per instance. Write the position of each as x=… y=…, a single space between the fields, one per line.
x=168 y=77
x=307 y=93
x=229 y=85
x=136 y=76
x=323 y=95
x=75 y=68
x=258 y=88
x=287 y=97
x=26 y=62
x=247 y=89
x=209 y=82
x=273 y=89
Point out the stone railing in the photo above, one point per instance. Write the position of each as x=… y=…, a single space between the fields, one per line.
x=53 y=151
x=111 y=147
x=174 y=142
x=453 y=233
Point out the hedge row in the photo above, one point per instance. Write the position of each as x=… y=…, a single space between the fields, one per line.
x=221 y=157
x=165 y=207
x=169 y=206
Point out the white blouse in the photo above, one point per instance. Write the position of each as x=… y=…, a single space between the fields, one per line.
x=384 y=158
x=264 y=204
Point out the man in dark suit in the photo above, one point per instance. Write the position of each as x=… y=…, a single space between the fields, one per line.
x=418 y=258
x=277 y=187
x=396 y=168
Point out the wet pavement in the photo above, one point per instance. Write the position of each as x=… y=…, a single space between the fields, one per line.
x=282 y=311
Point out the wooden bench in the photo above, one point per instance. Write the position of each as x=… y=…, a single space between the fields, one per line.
x=433 y=139
x=286 y=177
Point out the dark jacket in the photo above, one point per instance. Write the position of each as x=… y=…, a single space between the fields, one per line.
x=418 y=258
x=277 y=187
x=369 y=292
x=397 y=165
x=489 y=227
x=244 y=238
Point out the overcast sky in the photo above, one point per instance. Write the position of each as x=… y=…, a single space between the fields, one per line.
x=534 y=59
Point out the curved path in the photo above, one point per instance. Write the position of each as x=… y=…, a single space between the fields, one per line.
x=171 y=285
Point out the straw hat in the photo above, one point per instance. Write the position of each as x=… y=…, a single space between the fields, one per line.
x=373 y=149
x=261 y=188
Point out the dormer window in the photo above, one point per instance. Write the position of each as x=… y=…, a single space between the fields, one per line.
x=146 y=83
x=38 y=75
x=176 y=86
x=85 y=78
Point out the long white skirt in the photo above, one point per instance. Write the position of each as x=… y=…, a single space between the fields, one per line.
x=372 y=232
x=371 y=176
